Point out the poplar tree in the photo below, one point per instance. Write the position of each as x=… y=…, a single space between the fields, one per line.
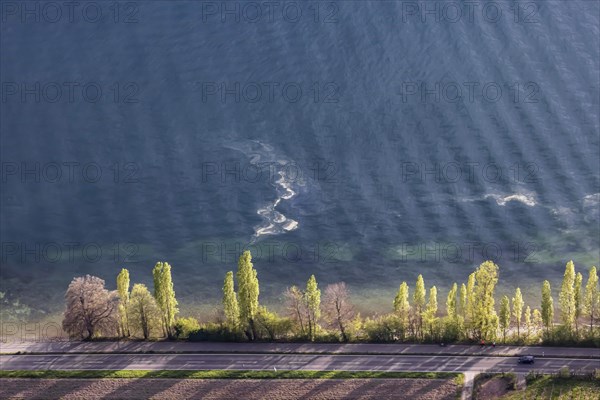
x=527 y=319
x=518 y=310
x=419 y=303
x=536 y=319
x=165 y=296
x=566 y=297
x=547 y=306
x=470 y=302
x=463 y=300
x=591 y=301
x=578 y=294
x=485 y=320
x=451 y=308
x=248 y=292
x=312 y=297
x=462 y=297
x=230 y=303
x=123 y=290
x=504 y=316
x=429 y=315
x=402 y=306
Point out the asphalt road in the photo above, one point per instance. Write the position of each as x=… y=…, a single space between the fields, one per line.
x=313 y=348
x=286 y=362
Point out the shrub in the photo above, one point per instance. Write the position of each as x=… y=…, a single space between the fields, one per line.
x=533 y=376
x=511 y=380
x=186 y=326
x=271 y=326
x=386 y=328
x=214 y=332
x=564 y=372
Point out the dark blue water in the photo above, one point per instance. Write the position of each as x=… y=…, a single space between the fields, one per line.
x=359 y=141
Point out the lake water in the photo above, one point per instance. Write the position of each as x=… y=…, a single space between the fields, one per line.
x=362 y=141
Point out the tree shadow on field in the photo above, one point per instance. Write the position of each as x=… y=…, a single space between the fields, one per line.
x=329 y=385
x=141 y=388
x=11 y=388
x=35 y=388
x=432 y=385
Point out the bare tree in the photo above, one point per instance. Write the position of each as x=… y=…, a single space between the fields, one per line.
x=337 y=309
x=296 y=307
x=91 y=309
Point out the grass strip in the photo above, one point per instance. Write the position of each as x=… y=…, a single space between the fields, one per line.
x=224 y=374
x=548 y=387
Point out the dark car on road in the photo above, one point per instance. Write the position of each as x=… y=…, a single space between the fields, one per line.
x=526 y=360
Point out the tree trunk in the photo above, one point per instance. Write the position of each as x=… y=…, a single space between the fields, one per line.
x=342 y=330
x=90 y=330
x=252 y=328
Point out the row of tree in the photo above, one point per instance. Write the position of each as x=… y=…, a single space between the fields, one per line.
x=470 y=312
x=92 y=310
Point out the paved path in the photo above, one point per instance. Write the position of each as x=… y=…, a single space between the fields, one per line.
x=467 y=391
x=286 y=362
x=330 y=348
x=521 y=381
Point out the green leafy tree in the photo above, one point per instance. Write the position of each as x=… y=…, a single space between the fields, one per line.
x=485 y=320
x=230 y=303
x=248 y=292
x=186 y=326
x=463 y=300
x=591 y=301
x=402 y=307
x=164 y=293
x=527 y=318
x=419 y=303
x=537 y=320
x=578 y=300
x=429 y=315
x=312 y=296
x=145 y=315
x=547 y=306
x=123 y=290
x=504 y=316
x=470 y=303
x=270 y=325
x=517 y=313
x=451 y=307
x=566 y=297
x=462 y=297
